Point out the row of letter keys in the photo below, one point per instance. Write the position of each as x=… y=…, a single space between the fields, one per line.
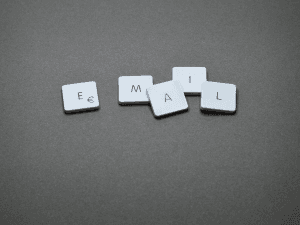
x=165 y=98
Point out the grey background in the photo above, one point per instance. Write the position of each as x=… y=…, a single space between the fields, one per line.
x=120 y=165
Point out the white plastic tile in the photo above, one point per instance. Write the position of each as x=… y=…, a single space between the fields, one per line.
x=167 y=98
x=132 y=89
x=191 y=78
x=218 y=97
x=80 y=97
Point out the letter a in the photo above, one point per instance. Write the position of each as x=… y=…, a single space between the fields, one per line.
x=138 y=87
x=166 y=98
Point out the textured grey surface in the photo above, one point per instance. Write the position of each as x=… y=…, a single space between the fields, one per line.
x=120 y=165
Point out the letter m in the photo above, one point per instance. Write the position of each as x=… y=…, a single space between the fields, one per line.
x=138 y=87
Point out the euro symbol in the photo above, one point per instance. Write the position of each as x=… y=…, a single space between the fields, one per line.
x=90 y=100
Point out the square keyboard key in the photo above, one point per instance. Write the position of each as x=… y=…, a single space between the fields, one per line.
x=167 y=98
x=132 y=89
x=191 y=78
x=80 y=97
x=218 y=97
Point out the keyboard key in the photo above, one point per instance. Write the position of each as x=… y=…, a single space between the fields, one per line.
x=132 y=89
x=167 y=98
x=191 y=78
x=218 y=97
x=80 y=97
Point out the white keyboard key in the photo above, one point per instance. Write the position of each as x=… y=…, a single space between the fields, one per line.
x=191 y=78
x=167 y=98
x=80 y=97
x=132 y=89
x=218 y=97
